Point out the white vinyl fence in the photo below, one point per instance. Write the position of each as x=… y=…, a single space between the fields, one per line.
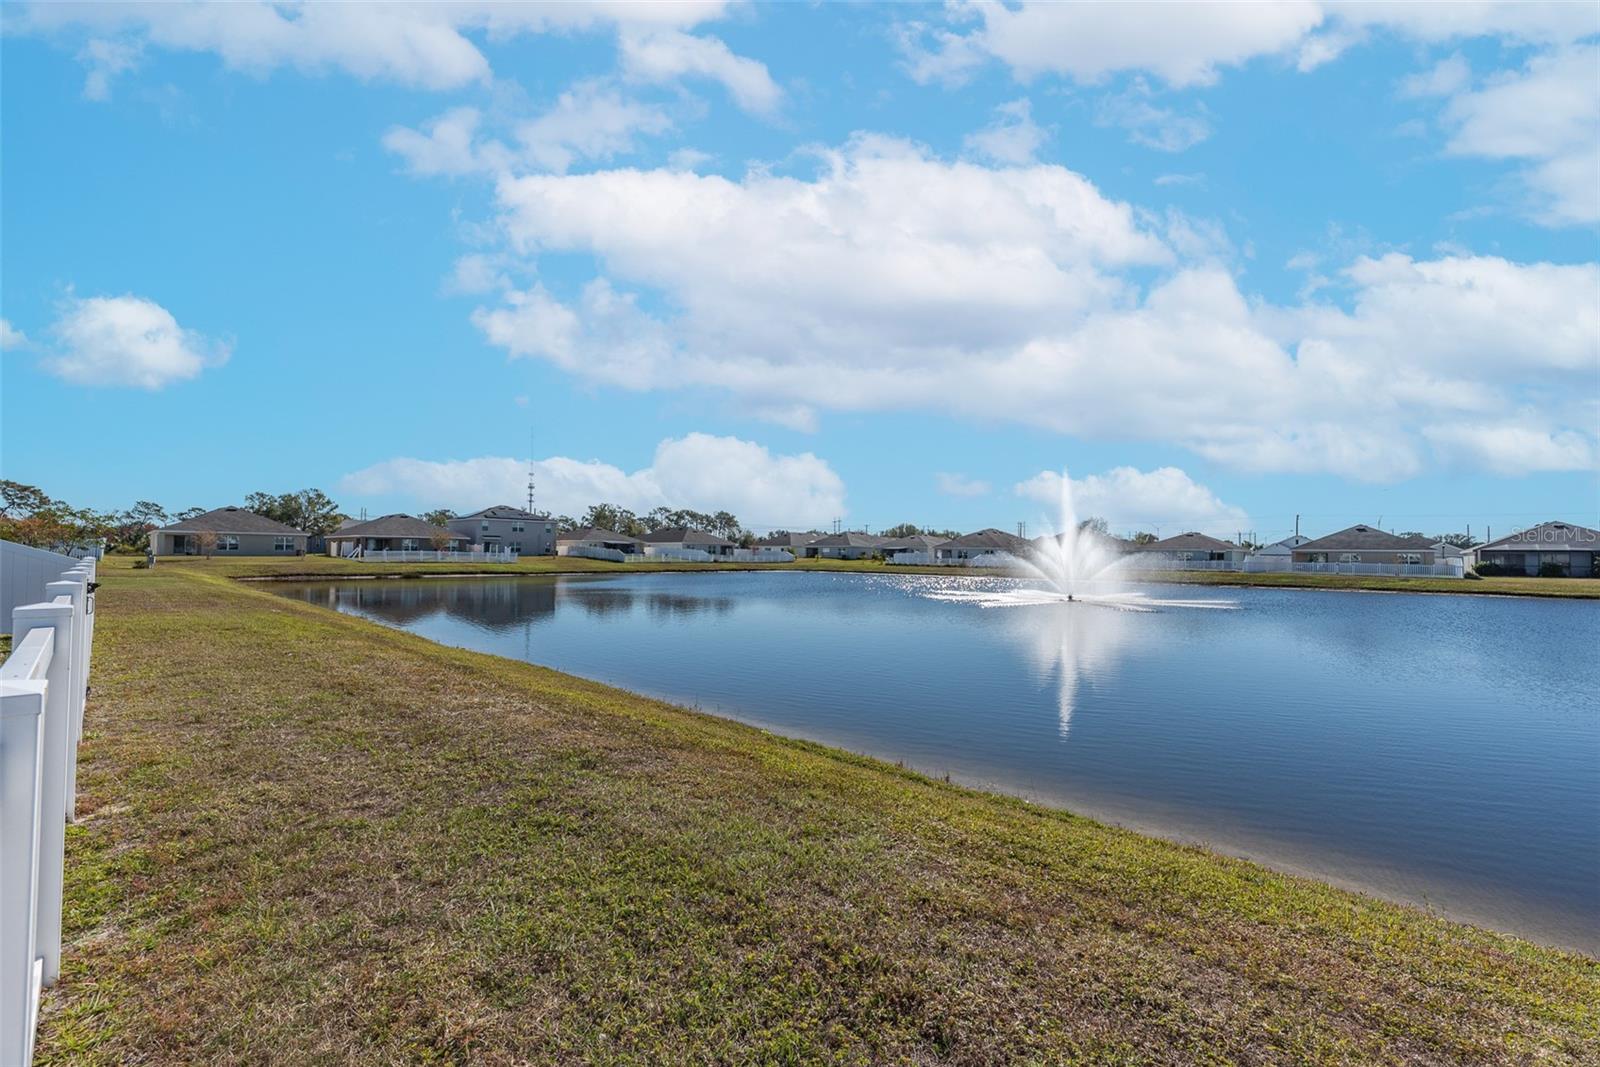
x=762 y=555
x=43 y=684
x=1281 y=565
x=611 y=555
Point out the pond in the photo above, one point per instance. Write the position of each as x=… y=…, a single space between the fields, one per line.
x=1439 y=750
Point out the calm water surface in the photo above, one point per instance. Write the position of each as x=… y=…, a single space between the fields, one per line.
x=1442 y=750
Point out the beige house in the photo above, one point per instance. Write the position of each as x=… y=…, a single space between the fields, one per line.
x=394 y=533
x=228 y=532
x=1367 y=544
x=598 y=537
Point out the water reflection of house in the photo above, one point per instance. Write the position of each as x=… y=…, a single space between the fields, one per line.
x=394 y=533
x=229 y=532
x=1194 y=547
x=1550 y=548
x=1366 y=544
x=847 y=545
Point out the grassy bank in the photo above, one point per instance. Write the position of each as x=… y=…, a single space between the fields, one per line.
x=327 y=567
x=313 y=839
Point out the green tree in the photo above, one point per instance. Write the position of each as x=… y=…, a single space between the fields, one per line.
x=132 y=528
x=1144 y=537
x=1460 y=540
x=18 y=500
x=1095 y=523
x=438 y=516
x=310 y=510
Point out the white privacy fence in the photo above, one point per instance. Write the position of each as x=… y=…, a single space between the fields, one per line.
x=1282 y=565
x=43 y=685
x=762 y=555
x=679 y=555
x=594 y=552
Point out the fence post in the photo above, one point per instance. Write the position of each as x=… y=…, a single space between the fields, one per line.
x=55 y=802
x=21 y=761
x=77 y=593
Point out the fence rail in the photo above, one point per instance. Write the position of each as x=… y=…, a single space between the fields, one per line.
x=395 y=555
x=43 y=686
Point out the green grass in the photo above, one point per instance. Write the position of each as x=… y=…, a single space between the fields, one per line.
x=311 y=839
x=328 y=567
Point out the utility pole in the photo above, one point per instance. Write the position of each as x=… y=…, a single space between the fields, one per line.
x=1297 y=527
x=530 y=472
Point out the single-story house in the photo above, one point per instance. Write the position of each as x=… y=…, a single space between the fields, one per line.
x=916 y=544
x=1366 y=544
x=789 y=542
x=984 y=543
x=503 y=528
x=598 y=537
x=1284 y=548
x=685 y=539
x=394 y=533
x=847 y=545
x=1194 y=547
x=231 y=532
x=1548 y=548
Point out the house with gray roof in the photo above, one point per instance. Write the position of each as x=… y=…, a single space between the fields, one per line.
x=394 y=533
x=1366 y=544
x=598 y=537
x=504 y=528
x=1284 y=549
x=790 y=542
x=1550 y=548
x=850 y=544
x=1192 y=547
x=915 y=545
x=989 y=542
x=669 y=539
x=229 y=532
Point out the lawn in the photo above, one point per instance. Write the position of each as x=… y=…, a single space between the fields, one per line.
x=312 y=839
x=329 y=567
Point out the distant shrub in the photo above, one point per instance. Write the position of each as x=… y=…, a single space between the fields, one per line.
x=1473 y=576
x=1552 y=570
x=141 y=564
x=1490 y=570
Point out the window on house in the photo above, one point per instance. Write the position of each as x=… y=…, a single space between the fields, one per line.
x=227 y=543
x=283 y=544
x=484 y=526
x=1349 y=557
x=515 y=547
x=408 y=544
x=516 y=527
x=1408 y=557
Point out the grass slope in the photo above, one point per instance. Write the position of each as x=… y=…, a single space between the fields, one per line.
x=328 y=567
x=311 y=839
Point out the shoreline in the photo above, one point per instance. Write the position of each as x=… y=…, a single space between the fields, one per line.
x=396 y=843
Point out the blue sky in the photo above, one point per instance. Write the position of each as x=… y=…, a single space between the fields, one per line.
x=1225 y=264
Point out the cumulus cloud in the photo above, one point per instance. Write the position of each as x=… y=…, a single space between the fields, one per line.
x=663 y=55
x=1013 y=137
x=1188 y=44
x=697 y=471
x=1162 y=128
x=127 y=340
x=1023 y=294
x=1547 y=114
x=429 y=46
x=589 y=121
x=1130 y=499
x=960 y=485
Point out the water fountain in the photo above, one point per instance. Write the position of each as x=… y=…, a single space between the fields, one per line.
x=1077 y=565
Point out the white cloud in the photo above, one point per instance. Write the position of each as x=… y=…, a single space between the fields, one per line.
x=1512 y=448
x=1130 y=499
x=697 y=471
x=1187 y=44
x=1013 y=137
x=1147 y=124
x=105 y=59
x=960 y=485
x=662 y=55
x=419 y=44
x=11 y=337
x=477 y=272
x=1547 y=114
x=1445 y=78
x=127 y=340
x=1011 y=294
x=1180 y=179
x=589 y=121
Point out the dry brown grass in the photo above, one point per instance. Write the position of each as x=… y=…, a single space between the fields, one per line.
x=316 y=840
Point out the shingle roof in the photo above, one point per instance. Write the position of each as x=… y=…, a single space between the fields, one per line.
x=231 y=521
x=596 y=533
x=788 y=540
x=1369 y=538
x=991 y=540
x=394 y=526
x=1193 y=541
x=1551 y=537
x=505 y=511
x=848 y=539
x=672 y=535
x=914 y=543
